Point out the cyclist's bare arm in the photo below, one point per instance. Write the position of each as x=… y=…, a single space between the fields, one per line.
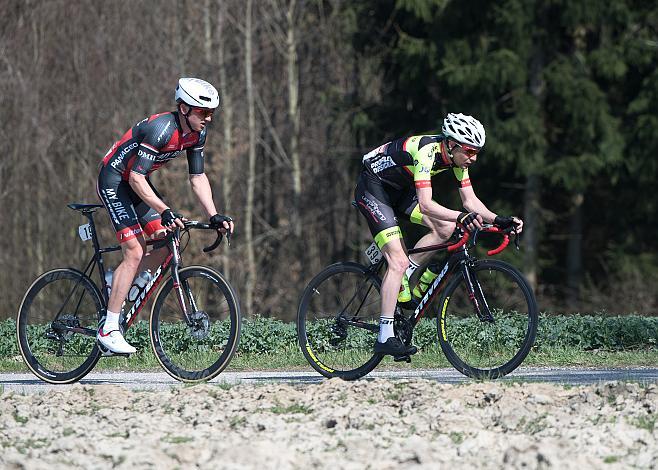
x=203 y=192
x=473 y=204
x=433 y=209
x=139 y=184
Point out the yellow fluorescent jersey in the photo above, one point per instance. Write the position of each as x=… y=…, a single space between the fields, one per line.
x=412 y=161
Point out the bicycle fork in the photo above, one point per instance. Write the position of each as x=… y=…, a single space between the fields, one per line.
x=476 y=295
x=183 y=291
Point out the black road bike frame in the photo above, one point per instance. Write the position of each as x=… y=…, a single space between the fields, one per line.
x=459 y=258
x=173 y=260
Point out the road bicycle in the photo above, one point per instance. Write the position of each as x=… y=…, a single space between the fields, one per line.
x=486 y=315
x=194 y=326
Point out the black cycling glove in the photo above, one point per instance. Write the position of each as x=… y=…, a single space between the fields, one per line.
x=168 y=217
x=467 y=218
x=218 y=220
x=503 y=221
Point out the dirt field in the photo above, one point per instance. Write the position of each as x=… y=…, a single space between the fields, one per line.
x=377 y=424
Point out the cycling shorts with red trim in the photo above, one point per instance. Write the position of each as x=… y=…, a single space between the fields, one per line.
x=130 y=215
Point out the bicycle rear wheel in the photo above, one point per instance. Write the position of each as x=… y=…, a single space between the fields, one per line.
x=56 y=326
x=488 y=348
x=338 y=321
x=200 y=350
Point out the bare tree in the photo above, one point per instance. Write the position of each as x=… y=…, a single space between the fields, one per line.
x=251 y=172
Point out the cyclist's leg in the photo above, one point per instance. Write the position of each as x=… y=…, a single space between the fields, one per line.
x=440 y=230
x=374 y=203
x=133 y=253
x=151 y=221
x=115 y=196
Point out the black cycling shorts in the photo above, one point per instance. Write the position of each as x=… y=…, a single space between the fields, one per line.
x=130 y=215
x=381 y=204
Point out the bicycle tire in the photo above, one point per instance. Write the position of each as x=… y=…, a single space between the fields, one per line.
x=333 y=349
x=37 y=336
x=509 y=338
x=189 y=353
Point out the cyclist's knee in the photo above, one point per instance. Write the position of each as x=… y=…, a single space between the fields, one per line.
x=396 y=258
x=442 y=229
x=133 y=251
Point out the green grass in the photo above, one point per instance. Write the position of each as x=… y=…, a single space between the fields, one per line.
x=268 y=344
x=428 y=358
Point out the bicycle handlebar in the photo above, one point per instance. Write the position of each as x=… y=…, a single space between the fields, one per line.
x=494 y=229
x=462 y=241
x=190 y=224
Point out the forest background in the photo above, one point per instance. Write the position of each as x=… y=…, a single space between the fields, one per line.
x=567 y=90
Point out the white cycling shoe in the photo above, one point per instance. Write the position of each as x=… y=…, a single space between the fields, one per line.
x=115 y=342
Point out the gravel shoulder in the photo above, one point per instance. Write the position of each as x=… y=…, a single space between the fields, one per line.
x=379 y=423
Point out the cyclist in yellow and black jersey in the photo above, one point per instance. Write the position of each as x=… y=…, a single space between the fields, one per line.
x=396 y=181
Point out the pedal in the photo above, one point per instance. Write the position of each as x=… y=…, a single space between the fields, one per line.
x=406 y=358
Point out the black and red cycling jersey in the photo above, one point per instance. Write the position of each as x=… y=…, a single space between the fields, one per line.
x=151 y=143
x=147 y=146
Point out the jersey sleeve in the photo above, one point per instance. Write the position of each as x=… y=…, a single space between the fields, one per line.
x=156 y=133
x=146 y=155
x=462 y=177
x=423 y=162
x=195 y=158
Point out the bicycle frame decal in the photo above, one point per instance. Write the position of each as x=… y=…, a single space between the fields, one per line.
x=418 y=313
x=147 y=292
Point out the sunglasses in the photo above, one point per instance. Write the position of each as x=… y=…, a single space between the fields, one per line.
x=468 y=151
x=203 y=112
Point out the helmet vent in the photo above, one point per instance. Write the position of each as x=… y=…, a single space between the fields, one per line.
x=205 y=98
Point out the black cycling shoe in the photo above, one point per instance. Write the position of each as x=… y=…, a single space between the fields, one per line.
x=409 y=305
x=394 y=347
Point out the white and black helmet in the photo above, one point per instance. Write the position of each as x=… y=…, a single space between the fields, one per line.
x=464 y=129
x=196 y=92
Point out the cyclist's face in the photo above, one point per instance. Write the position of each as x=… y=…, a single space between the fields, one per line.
x=463 y=155
x=199 y=118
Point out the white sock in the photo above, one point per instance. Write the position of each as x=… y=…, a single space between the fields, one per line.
x=111 y=322
x=385 y=329
x=412 y=268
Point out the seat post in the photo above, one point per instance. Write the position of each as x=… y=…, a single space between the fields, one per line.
x=89 y=214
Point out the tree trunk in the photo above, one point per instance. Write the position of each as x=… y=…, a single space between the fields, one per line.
x=227 y=120
x=251 y=173
x=532 y=193
x=574 y=251
x=207 y=43
x=531 y=199
x=293 y=112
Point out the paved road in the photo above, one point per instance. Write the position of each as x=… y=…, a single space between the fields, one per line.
x=28 y=383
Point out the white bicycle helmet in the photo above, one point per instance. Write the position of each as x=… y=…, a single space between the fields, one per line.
x=196 y=92
x=464 y=129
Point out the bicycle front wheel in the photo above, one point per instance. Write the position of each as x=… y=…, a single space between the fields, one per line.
x=493 y=341
x=56 y=326
x=338 y=321
x=198 y=348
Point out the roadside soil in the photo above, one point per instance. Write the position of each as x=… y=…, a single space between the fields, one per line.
x=378 y=424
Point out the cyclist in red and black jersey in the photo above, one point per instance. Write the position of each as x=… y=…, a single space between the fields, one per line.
x=396 y=181
x=136 y=207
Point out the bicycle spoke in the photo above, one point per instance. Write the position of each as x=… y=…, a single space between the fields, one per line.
x=494 y=336
x=57 y=325
x=339 y=320
x=199 y=345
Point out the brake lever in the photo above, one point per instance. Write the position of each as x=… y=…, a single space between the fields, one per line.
x=228 y=237
x=517 y=237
